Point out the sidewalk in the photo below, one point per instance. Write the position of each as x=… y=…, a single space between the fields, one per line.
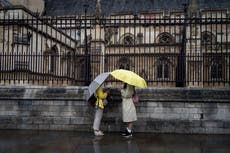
x=26 y=141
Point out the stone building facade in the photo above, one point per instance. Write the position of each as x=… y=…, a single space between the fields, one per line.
x=31 y=47
x=159 y=30
x=169 y=45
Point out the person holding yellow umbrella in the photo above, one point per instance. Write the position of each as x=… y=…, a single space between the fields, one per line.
x=131 y=79
x=129 y=114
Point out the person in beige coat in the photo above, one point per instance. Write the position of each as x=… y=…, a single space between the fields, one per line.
x=129 y=114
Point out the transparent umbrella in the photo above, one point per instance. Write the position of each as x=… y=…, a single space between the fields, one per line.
x=96 y=83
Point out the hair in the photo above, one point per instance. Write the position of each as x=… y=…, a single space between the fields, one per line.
x=125 y=86
x=134 y=91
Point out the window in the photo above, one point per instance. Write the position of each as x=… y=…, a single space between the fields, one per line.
x=20 y=60
x=139 y=38
x=21 y=65
x=51 y=59
x=66 y=60
x=124 y=63
x=216 y=69
x=115 y=37
x=82 y=66
x=165 y=38
x=162 y=68
x=208 y=38
x=95 y=52
x=23 y=39
x=127 y=39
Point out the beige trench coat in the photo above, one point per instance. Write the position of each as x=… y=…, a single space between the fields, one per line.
x=128 y=107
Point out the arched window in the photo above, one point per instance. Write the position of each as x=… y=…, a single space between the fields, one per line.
x=66 y=61
x=124 y=63
x=127 y=39
x=162 y=68
x=51 y=59
x=80 y=70
x=165 y=38
x=208 y=38
x=216 y=68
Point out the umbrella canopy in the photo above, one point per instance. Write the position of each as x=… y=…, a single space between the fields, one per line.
x=96 y=83
x=129 y=77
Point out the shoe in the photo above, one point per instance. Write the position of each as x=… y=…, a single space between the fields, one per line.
x=127 y=134
x=124 y=133
x=98 y=133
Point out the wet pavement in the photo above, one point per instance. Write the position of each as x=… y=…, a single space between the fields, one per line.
x=26 y=141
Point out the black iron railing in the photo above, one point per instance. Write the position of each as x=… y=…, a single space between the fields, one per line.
x=176 y=51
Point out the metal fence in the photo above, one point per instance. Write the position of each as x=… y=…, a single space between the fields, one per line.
x=171 y=51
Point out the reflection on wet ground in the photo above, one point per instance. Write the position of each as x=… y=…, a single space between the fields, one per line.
x=26 y=141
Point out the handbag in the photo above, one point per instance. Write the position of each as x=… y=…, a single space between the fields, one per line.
x=135 y=99
x=92 y=100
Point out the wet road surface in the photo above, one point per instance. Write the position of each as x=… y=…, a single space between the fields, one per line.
x=27 y=141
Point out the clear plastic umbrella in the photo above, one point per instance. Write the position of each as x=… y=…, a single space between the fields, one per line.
x=96 y=83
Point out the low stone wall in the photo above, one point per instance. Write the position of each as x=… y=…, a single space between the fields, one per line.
x=169 y=110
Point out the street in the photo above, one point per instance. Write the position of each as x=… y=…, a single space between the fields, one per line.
x=27 y=141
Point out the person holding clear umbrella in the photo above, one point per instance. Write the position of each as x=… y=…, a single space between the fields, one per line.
x=99 y=107
x=95 y=90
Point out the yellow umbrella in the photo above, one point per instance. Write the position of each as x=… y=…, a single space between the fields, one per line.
x=129 y=77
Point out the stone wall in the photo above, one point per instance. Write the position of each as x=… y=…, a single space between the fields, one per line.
x=170 y=110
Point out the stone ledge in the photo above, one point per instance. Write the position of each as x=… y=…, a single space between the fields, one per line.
x=159 y=110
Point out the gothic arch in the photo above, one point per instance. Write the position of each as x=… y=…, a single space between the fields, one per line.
x=127 y=39
x=165 y=38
